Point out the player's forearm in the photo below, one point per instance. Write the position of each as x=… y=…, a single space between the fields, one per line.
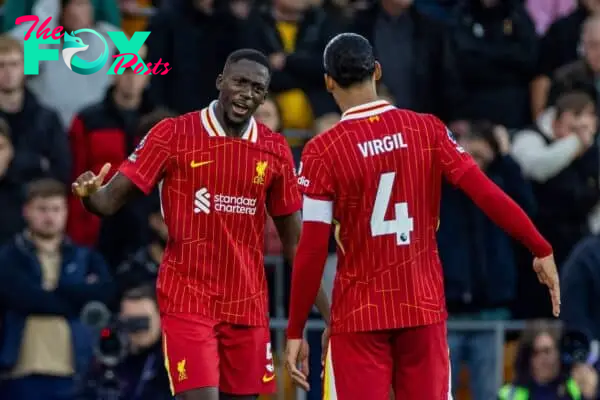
x=306 y=275
x=99 y=203
x=503 y=211
x=322 y=304
x=111 y=197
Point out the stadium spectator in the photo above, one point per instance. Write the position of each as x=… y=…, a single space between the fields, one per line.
x=559 y=46
x=56 y=86
x=183 y=25
x=40 y=145
x=141 y=374
x=104 y=10
x=105 y=132
x=294 y=35
x=414 y=51
x=497 y=44
x=480 y=270
x=580 y=281
x=581 y=74
x=11 y=190
x=45 y=281
x=538 y=371
x=563 y=161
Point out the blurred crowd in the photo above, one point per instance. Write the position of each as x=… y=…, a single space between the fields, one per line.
x=518 y=81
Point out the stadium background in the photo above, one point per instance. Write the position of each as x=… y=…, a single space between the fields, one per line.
x=493 y=70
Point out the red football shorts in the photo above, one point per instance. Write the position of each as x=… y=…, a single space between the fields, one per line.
x=414 y=362
x=200 y=352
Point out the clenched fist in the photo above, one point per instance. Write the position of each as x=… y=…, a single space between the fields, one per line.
x=88 y=183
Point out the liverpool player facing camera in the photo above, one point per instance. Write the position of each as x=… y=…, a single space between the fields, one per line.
x=219 y=172
x=377 y=175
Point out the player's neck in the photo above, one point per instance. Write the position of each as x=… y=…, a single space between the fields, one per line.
x=353 y=98
x=229 y=128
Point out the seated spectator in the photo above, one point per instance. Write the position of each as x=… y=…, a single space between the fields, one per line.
x=480 y=269
x=141 y=375
x=63 y=90
x=105 y=132
x=45 y=281
x=562 y=159
x=11 y=190
x=497 y=44
x=414 y=51
x=580 y=75
x=38 y=138
x=560 y=46
x=539 y=374
x=294 y=35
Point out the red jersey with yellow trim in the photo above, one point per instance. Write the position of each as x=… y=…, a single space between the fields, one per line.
x=215 y=192
x=382 y=168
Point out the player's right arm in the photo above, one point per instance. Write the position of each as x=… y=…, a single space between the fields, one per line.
x=139 y=173
x=460 y=169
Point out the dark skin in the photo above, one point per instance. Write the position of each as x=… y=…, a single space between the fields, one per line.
x=242 y=89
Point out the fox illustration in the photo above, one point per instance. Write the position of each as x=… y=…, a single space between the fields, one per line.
x=72 y=46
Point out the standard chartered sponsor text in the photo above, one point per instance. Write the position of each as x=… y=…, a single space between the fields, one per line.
x=235 y=204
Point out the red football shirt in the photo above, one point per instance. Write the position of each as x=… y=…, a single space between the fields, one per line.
x=215 y=192
x=382 y=168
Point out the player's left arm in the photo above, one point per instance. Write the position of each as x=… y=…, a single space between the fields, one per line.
x=311 y=256
x=284 y=202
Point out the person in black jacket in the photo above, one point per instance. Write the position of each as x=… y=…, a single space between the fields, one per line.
x=414 y=51
x=498 y=45
x=41 y=148
x=11 y=190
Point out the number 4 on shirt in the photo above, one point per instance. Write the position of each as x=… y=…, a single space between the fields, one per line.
x=402 y=224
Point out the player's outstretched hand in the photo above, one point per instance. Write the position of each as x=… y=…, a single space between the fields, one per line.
x=545 y=268
x=88 y=183
x=296 y=353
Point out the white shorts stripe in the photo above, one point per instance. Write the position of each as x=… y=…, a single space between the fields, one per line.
x=317 y=210
x=329 y=390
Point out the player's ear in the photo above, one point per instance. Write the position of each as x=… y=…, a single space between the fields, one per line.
x=329 y=83
x=377 y=73
x=219 y=82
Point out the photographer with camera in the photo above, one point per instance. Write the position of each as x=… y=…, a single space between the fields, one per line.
x=129 y=362
x=551 y=366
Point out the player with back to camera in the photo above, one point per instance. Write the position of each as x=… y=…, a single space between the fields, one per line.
x=219 y=171
x=377 y=176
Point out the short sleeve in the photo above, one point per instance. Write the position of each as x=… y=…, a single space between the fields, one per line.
x=284 y=197
x=145 y=167
x=315 y=178
x=451 y=156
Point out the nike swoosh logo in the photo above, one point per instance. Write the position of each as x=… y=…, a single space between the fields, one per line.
x=194 y=164
x=268 y=378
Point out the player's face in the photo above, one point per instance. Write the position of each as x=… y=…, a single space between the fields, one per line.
x=243 y=88
x=46 y=217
